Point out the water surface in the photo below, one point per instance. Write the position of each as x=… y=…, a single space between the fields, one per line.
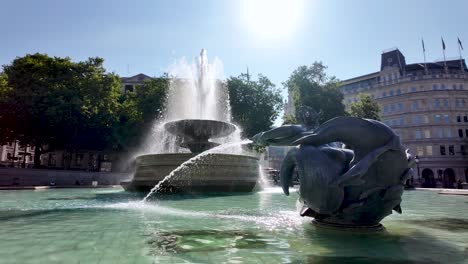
x=112 y=226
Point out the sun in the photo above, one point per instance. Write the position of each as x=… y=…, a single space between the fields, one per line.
x=272 y=18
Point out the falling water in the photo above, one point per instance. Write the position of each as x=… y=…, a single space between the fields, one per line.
x=181 y=167
x=263 y=180
x=195 y=92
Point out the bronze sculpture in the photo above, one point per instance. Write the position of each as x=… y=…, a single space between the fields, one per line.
x=352 y=185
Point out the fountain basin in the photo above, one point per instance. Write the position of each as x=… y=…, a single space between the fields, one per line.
x=213 y=172
x=196 y=132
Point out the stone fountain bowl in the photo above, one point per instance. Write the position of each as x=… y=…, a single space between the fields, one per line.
x=200 y=128
x=213 y=173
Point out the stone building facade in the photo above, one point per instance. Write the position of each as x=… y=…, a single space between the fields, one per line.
x=130 y=83
x=427 y=105
x=14 y=154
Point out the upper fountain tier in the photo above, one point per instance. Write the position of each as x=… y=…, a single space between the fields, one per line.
x=196 y=132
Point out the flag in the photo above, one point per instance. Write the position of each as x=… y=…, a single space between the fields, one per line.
x=424 y=48
x=443 y=43
x=460 y=43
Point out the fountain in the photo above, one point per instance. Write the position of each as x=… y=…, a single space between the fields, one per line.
x=197 y=119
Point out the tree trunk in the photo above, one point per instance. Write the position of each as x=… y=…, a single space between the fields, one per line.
x=37 y=156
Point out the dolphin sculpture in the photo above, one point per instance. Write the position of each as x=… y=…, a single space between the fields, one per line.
x=354 y=186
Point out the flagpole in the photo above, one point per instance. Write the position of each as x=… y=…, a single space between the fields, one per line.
x=443 y=50
x=461 y=59
x=424 y=54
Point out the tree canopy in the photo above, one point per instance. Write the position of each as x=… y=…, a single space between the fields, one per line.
x=366 y=107
x=52 y=102
x=255 y=104
x=311 y=87
x=140 y=108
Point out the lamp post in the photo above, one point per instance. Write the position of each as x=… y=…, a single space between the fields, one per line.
x=416 y=160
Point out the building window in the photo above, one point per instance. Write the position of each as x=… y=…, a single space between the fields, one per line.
x=460 y=87
x=415 y=105
x=466 y=132
x=413 y=89
x=79 y=159
x=451 y=150
x=448 y=132
x=446 y=119
x=52 y=160
x=427 y=133
x=417 y=134
x=128 y=88
x=458 y=118
x=419 y=151
x=445 y=102
x=392 y=108
x=8 y=155
x=460 y=102
x=435 y=87
x=465 y=119
x=440 y=132
x=400 y=106
x=398 y=91
x=385 y=108
x=426 y=119
x=437 y=118
x=436 y=103
x=402 y=120
x=442 y=150
x=463 y=149
x=442 y=86
x=384 y=94
x=429 y=150
x=454 y=86
x=460 y=133
x=391 y=93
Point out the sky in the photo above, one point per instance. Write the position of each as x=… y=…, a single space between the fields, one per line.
x=272 y=37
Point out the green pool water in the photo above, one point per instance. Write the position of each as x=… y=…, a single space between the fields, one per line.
x=112 y=226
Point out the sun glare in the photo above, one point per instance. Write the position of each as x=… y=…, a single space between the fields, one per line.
x=272 y=18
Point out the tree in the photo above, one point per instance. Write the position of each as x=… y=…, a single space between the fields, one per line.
x=6 y=115
x=365 y=108
x=289 y=120
x=57 y=103
x=311 y=87
x=140 y=109
x=254 y=104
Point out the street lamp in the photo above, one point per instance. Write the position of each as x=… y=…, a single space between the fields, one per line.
x=416 y=160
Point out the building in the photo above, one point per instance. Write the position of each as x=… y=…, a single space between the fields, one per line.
x=13 y=154
x=427 y=106
x=130 y=83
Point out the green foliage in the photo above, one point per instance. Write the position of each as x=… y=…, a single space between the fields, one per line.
x=254 y=104
x=56 y=103
x=139 y=110
x=311 y=87
x=289 y=120
x=365 y=108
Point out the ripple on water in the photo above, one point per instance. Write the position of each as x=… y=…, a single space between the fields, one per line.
x=443 y=223
x=203 y=241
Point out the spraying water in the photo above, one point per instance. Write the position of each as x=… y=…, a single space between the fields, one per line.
x=192 y=160
x=195 y=92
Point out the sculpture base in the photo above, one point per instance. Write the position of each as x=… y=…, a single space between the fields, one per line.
x=351 y=228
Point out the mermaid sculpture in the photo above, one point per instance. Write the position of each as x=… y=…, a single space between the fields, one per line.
x=355 y=185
